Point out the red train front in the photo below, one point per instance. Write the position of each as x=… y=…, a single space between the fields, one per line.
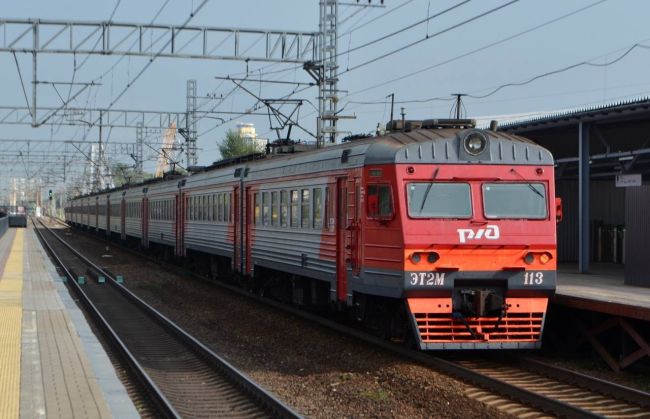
x=473 y=215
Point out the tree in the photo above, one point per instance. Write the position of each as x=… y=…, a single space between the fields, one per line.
x=234 y=146
x=123 y=174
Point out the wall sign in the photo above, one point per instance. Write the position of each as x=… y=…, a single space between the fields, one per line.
x=624 y=181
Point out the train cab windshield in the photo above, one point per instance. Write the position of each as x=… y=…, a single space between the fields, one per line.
x=439 y=200
x=515 y=200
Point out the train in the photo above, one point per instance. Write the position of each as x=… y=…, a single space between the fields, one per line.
x=437 y=234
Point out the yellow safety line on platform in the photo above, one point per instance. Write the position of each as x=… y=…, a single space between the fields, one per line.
x=11 y=318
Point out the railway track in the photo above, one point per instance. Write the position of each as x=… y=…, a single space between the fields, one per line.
x=537 y=389
x=183 y=377
x=595 y=397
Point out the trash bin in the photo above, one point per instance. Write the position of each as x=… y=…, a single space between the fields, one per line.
x=620 y=244
x=609 y=243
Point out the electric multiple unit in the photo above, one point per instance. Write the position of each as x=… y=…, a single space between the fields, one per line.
x=442 y=233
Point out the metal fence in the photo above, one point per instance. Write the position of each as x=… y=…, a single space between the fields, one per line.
x=4 y=225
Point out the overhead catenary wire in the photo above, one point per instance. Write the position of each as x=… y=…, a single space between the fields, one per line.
x=561 y=70
x=152 y=59
x=102 y=75
x=406 y=28
x=22 y=84
x=427 y=37
x=356 y=28
x=495 y=90
x=476 y=50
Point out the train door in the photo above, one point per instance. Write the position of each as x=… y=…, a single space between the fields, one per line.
x=238 y=213
x=354 y=221
x=180 y=205
x=347 y=233
x=248 y=217
x=144 y=217
x=108 y=217
x=342 y=233
x=123 y=220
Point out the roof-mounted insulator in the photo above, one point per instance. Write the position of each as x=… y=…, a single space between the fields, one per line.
x=448 y=123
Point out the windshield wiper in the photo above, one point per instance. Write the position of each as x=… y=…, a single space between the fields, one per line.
x=532 y=188
x=426 y=193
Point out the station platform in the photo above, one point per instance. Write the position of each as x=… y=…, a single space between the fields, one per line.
x=51 y=363
x=602 y=290
x=624 y=311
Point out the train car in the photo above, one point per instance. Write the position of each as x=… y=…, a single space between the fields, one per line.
x=115 y=219
x=208 y=231
x=437 y=230
x=132 y=220
x=163 y=200
x=93 y=212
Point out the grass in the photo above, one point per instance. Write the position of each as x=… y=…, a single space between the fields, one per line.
x=379 y=395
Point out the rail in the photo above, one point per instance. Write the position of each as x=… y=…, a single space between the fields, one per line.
x=260 y=396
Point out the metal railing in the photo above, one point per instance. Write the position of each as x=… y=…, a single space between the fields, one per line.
x=4 y=225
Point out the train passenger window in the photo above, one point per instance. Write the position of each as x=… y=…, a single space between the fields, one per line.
x=265 y=208
x=222 y=207
x=275 y=217
x=379 y=202
x=304 y=204
x=318 y=208
x=258 y=211
x=215 y=209
x=210 y=208
x=205 y=207
x=284 y=209
x=294 y=209
x=226 y=207
x=199 y=204
x=326 y=211
x=439 y=200
x=515 y=200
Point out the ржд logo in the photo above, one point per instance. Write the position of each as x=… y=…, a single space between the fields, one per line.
x=489 y=232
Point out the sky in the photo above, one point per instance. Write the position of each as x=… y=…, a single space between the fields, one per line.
x=459 y=51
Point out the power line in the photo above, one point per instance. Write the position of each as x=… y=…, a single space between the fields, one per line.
x=22 y=84
x=427 y=37
x=411 y=26
x=101 y=76
x=355 y=28
x=562 y=70
x=152 y=59
x=523 y=83
x=476 y=50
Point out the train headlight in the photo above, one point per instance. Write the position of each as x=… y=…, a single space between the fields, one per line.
x=433 y=257
x=475 y=143
x=545 y=258
x=529 y=258
x=415 y=258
